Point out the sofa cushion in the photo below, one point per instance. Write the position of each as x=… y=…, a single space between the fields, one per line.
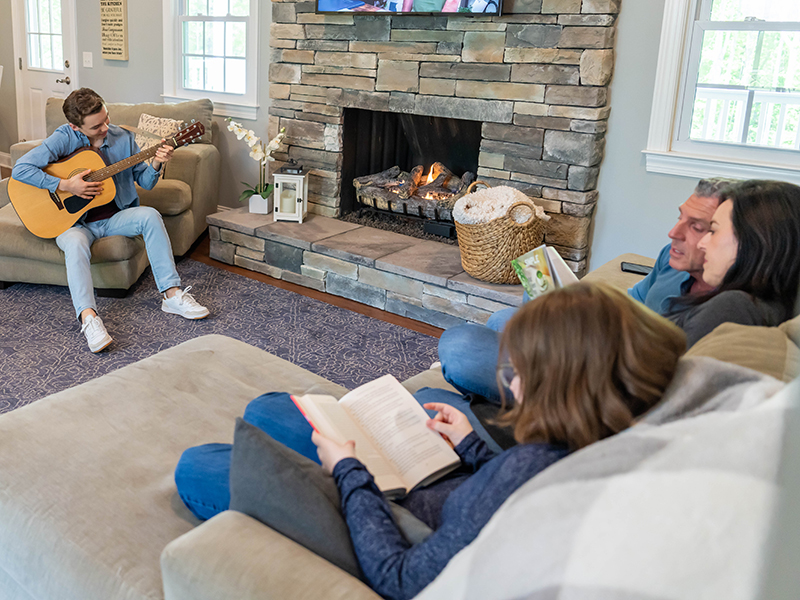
x=128 y=114
x=768 y=350
x=170 y=197
x=290 y=493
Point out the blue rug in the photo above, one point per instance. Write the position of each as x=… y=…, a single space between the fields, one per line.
x=42 y=350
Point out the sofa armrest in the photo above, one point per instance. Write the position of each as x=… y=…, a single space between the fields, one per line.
x=235 y=556
x=612 y=273
x=197 y=165
x=19 y=149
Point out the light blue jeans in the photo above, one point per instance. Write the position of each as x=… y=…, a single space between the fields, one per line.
x=469 y=355
x=76 y=243
x=203 y=472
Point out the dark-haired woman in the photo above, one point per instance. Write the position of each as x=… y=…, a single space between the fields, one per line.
x=752 y=259
x=585 y=362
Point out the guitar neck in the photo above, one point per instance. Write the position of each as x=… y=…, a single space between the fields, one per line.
x=120 y=166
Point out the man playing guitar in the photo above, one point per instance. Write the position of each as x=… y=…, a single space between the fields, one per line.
x=88 y=125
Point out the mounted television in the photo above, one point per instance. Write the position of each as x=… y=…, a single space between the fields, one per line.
x=412 y=7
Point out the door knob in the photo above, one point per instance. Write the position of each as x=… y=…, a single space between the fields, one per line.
x=65 y=80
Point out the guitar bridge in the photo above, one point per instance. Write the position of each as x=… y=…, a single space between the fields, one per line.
x=56 y=200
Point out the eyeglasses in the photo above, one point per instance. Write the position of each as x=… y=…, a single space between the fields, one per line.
x=506 y=373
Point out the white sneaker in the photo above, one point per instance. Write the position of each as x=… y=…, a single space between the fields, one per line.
x=95 y=333
x=184 y=304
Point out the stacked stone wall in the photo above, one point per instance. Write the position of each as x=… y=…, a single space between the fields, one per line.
x=537 y=77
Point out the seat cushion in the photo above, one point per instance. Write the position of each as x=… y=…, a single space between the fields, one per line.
x=170 y=197
x=17 y=241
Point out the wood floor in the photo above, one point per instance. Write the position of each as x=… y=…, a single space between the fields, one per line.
x=200 y=253
x=5 y=172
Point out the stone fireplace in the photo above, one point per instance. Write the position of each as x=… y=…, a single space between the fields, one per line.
x=536 y=79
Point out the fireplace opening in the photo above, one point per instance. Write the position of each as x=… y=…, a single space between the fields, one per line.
x=416 y=162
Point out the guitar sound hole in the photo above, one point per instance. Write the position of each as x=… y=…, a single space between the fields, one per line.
x=75 y=204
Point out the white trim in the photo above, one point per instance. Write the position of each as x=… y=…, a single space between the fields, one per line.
x=674 y=26
x=5 y=160
x=699 y=167
x=221 y=208
x=225 y=105
x=222 y=109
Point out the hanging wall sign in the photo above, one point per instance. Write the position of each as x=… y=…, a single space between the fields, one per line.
x=114 y=29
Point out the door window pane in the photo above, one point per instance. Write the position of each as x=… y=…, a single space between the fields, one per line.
x=34 y=55
x=44 y=16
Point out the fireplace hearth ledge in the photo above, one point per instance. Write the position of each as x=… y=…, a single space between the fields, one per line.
x=418 y=279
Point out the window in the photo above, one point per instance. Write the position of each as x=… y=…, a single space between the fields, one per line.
x=43 y=19
x=213 y=50
x=727 y=98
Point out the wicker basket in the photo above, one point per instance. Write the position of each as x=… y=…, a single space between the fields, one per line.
x=488 y=248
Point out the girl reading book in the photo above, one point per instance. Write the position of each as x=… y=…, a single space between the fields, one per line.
x=584 y=362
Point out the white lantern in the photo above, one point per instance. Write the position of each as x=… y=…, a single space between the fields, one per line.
x=290 y=196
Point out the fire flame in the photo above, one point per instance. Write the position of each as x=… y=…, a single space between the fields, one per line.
x=428 y=196
x=430 y=176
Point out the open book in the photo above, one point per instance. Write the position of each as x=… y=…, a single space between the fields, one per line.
x=388 y=427
x=542 y=270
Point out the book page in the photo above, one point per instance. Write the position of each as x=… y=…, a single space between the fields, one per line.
x=561 y=271
x=396 y=423
x=329 y=418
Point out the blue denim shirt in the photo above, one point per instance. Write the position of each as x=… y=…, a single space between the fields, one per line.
x=118 y=145
x=393 y=567
x=662 y=285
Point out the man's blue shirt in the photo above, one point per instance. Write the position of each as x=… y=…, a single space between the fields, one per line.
x=661 y=285
x=118 y=145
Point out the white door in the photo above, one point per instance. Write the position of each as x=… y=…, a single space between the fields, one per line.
x=44 y=47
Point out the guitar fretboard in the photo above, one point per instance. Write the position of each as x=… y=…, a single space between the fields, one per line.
x=126 y=163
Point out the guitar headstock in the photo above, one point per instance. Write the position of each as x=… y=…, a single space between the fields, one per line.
x=188 y=134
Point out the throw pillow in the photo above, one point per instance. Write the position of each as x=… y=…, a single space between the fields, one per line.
x=289 y=493
x=160 y=128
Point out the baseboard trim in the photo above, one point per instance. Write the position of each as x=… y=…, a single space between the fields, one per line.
x=5 y=160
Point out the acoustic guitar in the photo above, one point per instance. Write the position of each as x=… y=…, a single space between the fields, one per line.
x=48 y=214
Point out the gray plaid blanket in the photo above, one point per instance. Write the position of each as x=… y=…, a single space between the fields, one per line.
x=676 y=507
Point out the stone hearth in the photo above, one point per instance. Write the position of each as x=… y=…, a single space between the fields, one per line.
x=414 y=278
x=536 y=78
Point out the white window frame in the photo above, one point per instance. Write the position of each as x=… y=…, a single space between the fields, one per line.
x=668 y=151
x=241 y=106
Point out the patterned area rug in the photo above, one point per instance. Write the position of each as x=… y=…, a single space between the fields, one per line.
x=42 y=350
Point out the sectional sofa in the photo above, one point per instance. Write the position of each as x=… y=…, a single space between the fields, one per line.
x=677 y=507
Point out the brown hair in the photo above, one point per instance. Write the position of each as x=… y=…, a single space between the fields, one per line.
x=80 y=104
x=590 y=360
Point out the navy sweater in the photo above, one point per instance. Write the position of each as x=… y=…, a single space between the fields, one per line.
x=457 y=508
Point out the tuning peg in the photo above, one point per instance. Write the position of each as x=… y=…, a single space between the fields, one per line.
x=193 y=121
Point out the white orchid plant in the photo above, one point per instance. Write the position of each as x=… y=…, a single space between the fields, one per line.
x=259 y=152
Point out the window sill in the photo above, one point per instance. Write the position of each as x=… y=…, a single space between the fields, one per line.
x=223 y=109
x=699 y=167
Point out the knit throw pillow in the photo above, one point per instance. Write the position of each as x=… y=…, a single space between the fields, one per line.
x=160 y=127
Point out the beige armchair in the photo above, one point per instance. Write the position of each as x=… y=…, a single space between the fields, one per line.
x=185 y=195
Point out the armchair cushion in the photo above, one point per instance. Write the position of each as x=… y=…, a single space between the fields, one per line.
x=169 y=197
